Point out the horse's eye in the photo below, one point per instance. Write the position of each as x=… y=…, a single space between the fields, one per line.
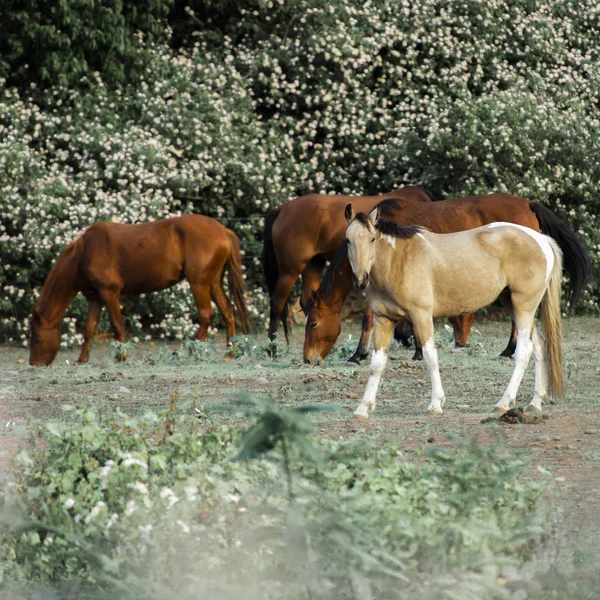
x=314 y=325
x=372 y=240
x=347 y=241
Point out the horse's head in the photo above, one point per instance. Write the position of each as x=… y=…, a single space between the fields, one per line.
x=45 y=340
x=323 y=327
x=360 y=239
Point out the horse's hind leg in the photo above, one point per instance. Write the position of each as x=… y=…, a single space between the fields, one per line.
x=91 y=325
x=382 y=336
x=201 y=292
x=424 y=334
x=509 y=351
x=280 y=296
x=111 y=299
x=541 y=371
x=225 y=307
x=525 y=346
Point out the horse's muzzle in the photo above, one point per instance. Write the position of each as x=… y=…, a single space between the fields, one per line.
x=361 y=282
x=315 y=360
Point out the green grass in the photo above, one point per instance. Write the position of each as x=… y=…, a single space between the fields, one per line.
x=474 y=377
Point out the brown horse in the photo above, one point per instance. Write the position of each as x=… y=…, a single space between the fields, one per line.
x=110 y=259
x=323 y=323
x=411 y=273
x=301 y=235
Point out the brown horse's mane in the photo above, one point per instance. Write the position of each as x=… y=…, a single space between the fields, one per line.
x=327 y=283
x=57 y=277
x=389 y=227
x=397 y=231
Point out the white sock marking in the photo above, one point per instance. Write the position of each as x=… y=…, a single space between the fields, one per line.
x=378 y=362
x=522 y=355
x=437 y=391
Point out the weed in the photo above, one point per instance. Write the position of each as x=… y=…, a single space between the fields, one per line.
x=120 y=349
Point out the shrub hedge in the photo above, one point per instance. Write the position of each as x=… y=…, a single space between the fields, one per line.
x=231 y=108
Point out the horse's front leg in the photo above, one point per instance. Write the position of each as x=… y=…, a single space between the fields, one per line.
x=382 y=336
x=424 y=332
x=91 y=325
x=362 y=351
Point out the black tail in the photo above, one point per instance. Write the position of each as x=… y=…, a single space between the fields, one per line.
x=270 y=267
x=575 y=255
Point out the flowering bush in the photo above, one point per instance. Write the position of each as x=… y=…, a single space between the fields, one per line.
x=260 y=101
x=151 y=507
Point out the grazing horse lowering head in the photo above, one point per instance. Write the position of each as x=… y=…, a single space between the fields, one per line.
x=322 y=330
x=45 y=341
x=360 y=239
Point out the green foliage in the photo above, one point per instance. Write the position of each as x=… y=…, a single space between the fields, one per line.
x=346 y=349
x=120 y=349
x=200 y=350
x=243 y=346
x=105 y=501
x=67 y=43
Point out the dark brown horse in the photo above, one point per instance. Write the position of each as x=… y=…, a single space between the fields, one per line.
x=304 y=233
x=111 y=259
x=323 y=314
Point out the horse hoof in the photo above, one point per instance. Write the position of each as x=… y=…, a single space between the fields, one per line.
x=532 y=408
x=501 y=410
x=362 y=412
x=435 y=412
x=418 y=356
x=506 y=354
x=352 y=363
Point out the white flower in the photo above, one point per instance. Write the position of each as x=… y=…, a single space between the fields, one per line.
x=142 y=488
x=130 y=508
x=128 y=462
x=113 y=519
x=95 y=511
x=70 y=503
x=185 y=527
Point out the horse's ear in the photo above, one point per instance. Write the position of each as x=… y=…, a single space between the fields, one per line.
x=374 y=216
x=349 y=213
x=316 y=299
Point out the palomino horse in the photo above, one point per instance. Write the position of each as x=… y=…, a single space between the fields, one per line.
x=110 y=259
x=301 y=235
x=411 y=273
x=323 y=323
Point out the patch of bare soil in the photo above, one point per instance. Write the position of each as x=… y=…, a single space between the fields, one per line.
x=564 y=443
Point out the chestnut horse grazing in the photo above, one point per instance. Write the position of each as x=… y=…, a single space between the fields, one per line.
x=323 y=323
x=411 y=273
x=301 y=235
x=110 y=259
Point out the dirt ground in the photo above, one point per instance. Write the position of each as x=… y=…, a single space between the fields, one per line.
x=564 y=449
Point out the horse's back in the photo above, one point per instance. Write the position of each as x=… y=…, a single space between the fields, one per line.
x=315 y=223
x=469 y=212
x=146 y=257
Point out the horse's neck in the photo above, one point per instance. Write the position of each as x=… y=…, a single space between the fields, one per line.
x=60 y=288
x=391 y=255
x=341 y=285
